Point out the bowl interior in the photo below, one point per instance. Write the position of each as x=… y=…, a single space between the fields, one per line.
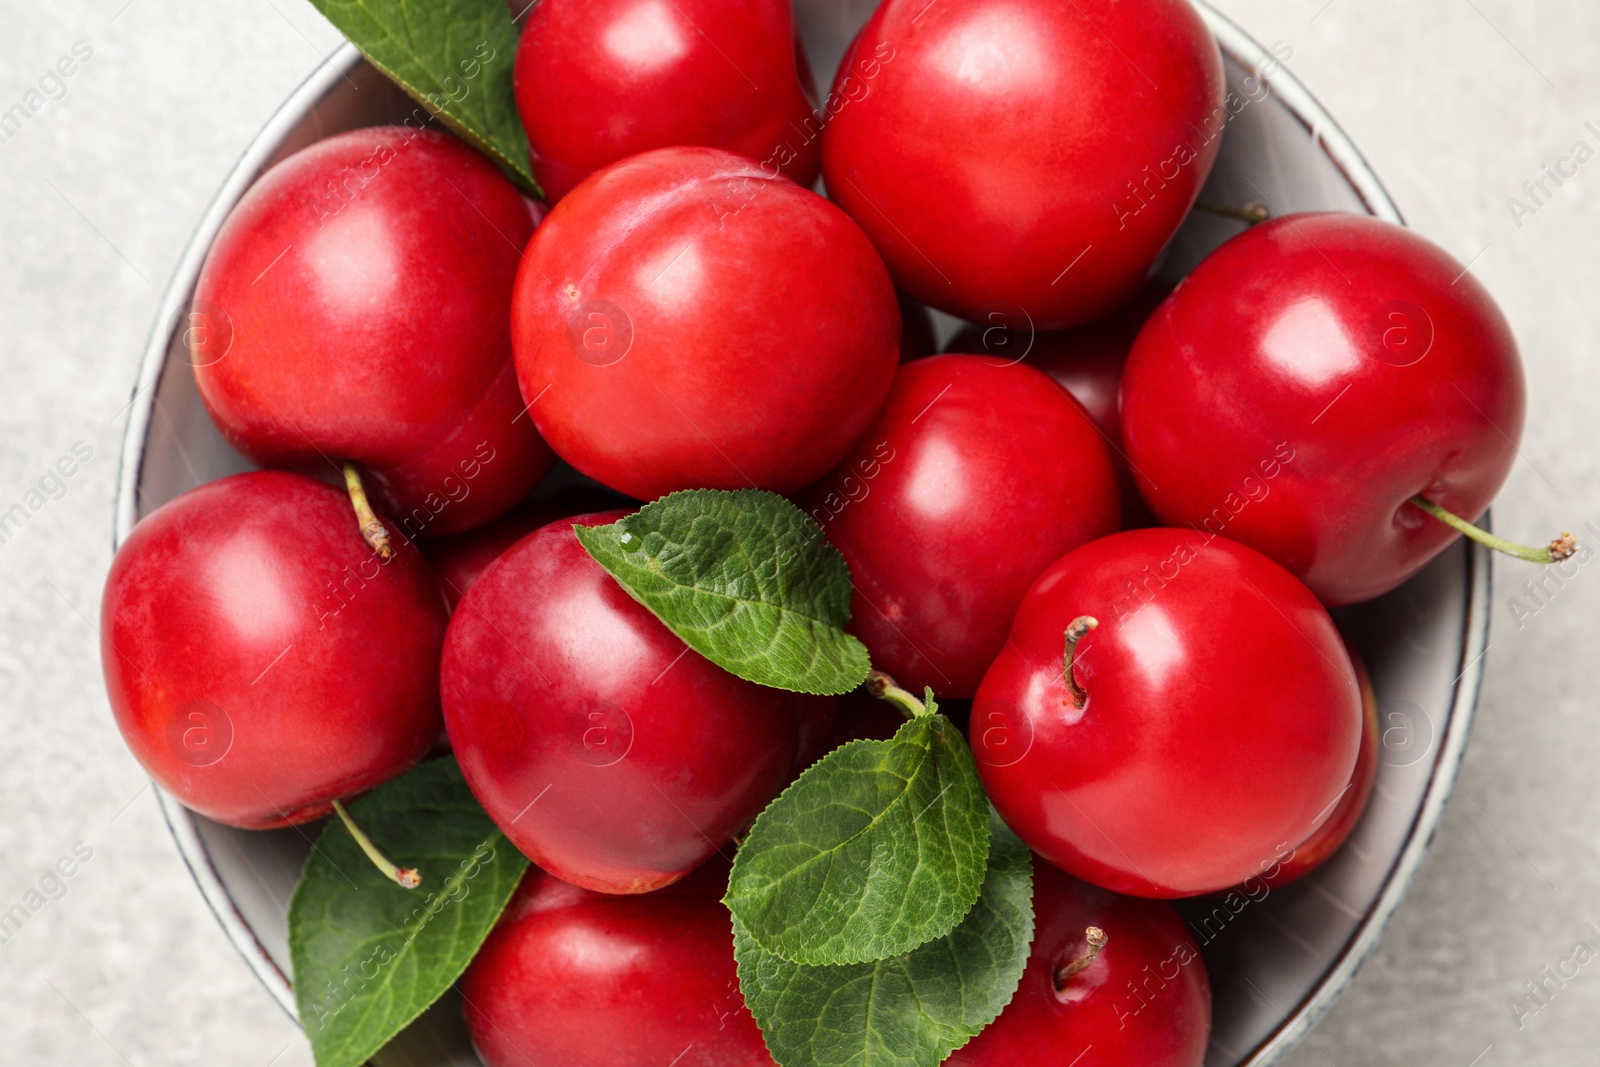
x=1277 y=961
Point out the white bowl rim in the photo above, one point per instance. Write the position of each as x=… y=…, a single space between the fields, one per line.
x=1237 y=45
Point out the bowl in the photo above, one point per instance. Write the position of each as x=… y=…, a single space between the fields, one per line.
x=1277 y=962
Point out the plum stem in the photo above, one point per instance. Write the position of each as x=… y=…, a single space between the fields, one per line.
x=1557 y=550
x=404 y=877
x=884 y=687
x=1096 y=938
x=1076 y=631
x=372 y=530
x=1251 y=213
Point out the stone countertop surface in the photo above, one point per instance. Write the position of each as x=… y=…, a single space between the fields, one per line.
x=1457 y=103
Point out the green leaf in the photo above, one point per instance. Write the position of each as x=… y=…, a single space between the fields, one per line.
x=874 y=850
x=908 y=1011
x=744 y=578
x=368 y=956
x=455 y=58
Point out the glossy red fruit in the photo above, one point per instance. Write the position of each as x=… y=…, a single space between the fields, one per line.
x=260 y=659
x=1026 y=153
x=682 y=320
x=601 y=80
x=1341 y=822
x=610 y=753
x=573 y=977
x=1087 y=362
x=975 y=477
x=1308 y=379
x=1220 y=718
x=1142 y=1001
x=460 y=559
x=355 y=306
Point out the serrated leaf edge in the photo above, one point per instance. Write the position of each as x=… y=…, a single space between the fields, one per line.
x=456 y=878
x=1027 y=933
x=727 y=897
x=855 y=654
x=520 y=171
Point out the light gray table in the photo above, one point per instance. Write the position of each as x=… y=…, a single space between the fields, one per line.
x=1457 y=103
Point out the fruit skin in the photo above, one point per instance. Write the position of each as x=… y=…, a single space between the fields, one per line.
x=253 y=603
x=573 y=977
x=354 y=307
x=1002 y=140
x=1309 y=378
x=1222 y=715
x=1086 y=362
x=1144 y=1002
x=973 y=478
x=600 y=80
x=1329 y=837
x=460 y=559
x=611 y=754
x=682 y=320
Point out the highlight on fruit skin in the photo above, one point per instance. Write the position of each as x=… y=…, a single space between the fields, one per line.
x=1413 y=405
x=571 y=976
x=638 y=393
x=261 y=661
x=975 y=187
x=1117 y=974
x=1195 y=773
x=607 y=751
x=597 y=81
x=1334 y=826
x=359 y=293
